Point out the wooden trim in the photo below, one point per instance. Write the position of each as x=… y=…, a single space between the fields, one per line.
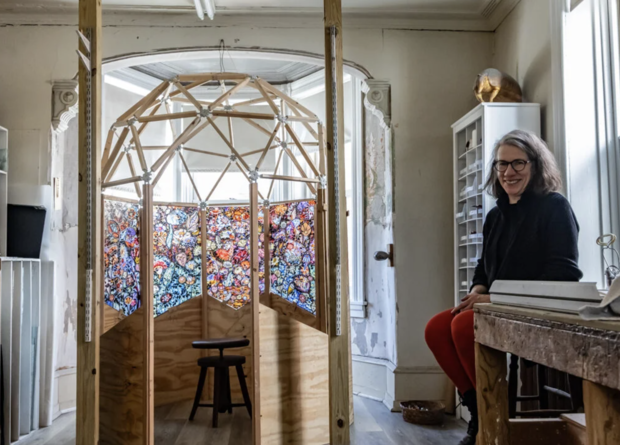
x=290 y=100
x=132 y=169
x=119 y=199
x=301 y=148
x=244 y=115
x=291 y=178
x=189 y=174
x=163 y=117
x=183 y=137
x=232 y=148
x=163 y=168
x=256 y=426
x=188 y=95
x=115 y=166
x=302 y=119
x=138 y=145
x=218 y=181
x=261 y=88
x=119 y=143
x=268 y=146
x=339 y=355
x=145 y=103
x=228 y=94
x=299 y=168
x=121 y=182
x=146 y=302
x=275 y=172
x=88 y=371
x=204 y=152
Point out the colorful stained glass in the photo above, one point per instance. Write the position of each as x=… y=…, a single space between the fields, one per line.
x=228 y=256
x=121 y=256
x=177 y=256
x=292 y=253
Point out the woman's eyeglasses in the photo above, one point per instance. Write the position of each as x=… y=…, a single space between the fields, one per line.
x=517 y=165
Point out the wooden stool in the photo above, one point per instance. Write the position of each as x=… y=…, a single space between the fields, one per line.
x=221 y=389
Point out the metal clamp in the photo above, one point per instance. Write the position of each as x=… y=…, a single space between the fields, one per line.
x=205 y=112
x=147 y=176
x=203 y=205
x=254 y=175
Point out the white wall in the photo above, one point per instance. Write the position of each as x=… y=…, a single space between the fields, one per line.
x=432 y=74
x=523 y=50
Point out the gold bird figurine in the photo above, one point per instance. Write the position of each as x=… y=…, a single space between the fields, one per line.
x=494 y=86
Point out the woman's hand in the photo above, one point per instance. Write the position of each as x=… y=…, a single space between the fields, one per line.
x=469 y=300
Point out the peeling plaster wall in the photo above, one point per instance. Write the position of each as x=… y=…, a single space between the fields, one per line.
x=523 y=50
x=431 y=73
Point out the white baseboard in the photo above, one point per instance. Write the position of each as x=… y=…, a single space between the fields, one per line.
x=65 y=389
x=382 y=380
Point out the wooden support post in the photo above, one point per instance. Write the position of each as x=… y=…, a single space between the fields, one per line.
x=492 y=388
x=255 y=292
x=146 y=303
x=602 y=406
x=267 y=248
x=339 y=364
x=87 y=403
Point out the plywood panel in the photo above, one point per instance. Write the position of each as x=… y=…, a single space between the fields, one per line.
x=226 y=322
x=294 y=381
x=121 y=386
x=111 y=317
x=176 y=370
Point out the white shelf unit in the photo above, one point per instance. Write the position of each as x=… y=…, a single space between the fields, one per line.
x=475 y=136
x=4 y=161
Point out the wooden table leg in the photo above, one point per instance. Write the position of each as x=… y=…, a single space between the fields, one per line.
x=602 y=407
x=492 y=391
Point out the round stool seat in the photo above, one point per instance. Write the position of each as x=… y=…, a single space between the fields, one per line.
x=221 y=343
x=221 y=362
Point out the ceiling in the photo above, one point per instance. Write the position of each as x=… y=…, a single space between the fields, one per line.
x=466 y=7
x=453 y=14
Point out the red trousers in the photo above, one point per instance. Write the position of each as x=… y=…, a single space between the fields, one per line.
x=451 y=339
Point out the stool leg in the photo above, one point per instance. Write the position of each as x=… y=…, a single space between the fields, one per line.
x=244 y=389
x=228 y=393
x=217 y=391
x=201 y=385
x=513 y=383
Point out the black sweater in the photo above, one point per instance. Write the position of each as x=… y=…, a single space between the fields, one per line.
x=541 y=245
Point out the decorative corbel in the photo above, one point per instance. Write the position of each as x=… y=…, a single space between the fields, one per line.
x=378 y=99
x=64 y=103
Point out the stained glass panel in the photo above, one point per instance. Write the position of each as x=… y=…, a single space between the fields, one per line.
x=228 y=259
x=292 y=253
x=121 y=256
x=177 y=246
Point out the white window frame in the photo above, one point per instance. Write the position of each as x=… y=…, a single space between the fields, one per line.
x=607 y=97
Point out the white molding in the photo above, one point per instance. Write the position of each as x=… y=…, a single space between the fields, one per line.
x=365 y=18
x=377 y=99
x=64 y=103
x=557 y=29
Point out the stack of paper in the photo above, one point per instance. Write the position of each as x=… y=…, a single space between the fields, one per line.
x=557 y=296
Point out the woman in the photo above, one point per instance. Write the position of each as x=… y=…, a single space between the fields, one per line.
x=530 y=235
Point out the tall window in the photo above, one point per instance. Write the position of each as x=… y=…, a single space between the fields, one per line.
x=592 y=99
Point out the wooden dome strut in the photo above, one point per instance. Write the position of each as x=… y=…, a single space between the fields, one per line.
x=133 y=122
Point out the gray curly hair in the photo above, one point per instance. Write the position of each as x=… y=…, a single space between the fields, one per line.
x=546 y=177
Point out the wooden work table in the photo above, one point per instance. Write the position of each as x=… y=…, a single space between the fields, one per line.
x=586 y=349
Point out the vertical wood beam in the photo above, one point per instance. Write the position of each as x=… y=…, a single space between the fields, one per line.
x=339 y=368
x=492 y=389
x=267 y=248
x=146 y=302
x=255 y=293
x=87 y=403
x=602 y=406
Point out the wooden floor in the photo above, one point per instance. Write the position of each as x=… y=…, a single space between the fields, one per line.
x=374 y=425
